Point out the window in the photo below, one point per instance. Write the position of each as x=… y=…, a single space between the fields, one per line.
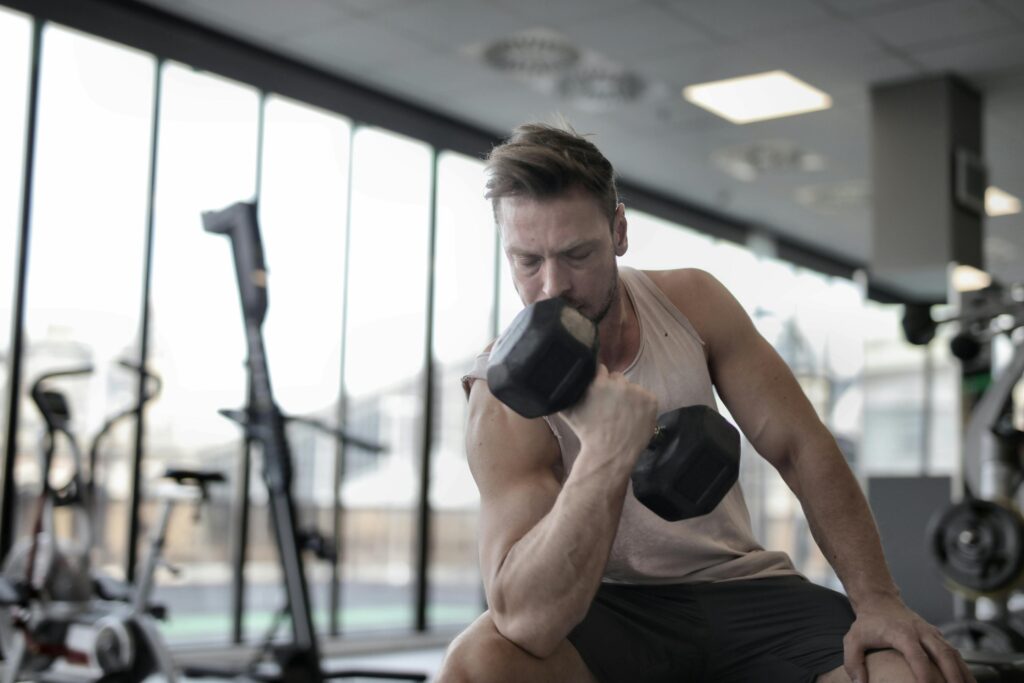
x=303 y=215
x=206 y=159
x=15 y=54
x=463 y=318
x=85 y=272
x=384 y=352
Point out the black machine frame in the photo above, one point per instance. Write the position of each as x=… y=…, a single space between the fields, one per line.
x=264 y=424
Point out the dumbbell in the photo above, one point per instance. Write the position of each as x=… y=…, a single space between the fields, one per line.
x=544 y=362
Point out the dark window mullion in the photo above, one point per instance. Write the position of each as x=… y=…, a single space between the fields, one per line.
x=147 y=276
x=9 y=494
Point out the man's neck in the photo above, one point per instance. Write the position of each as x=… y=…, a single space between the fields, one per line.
x=619 y=333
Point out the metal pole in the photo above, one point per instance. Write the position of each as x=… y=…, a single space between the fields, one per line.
x=423 y=512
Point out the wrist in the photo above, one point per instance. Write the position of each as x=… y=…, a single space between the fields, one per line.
x=867 y=598
x=597 y=457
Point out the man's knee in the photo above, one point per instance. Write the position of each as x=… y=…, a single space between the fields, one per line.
x=884 y=666
x=889 y=666
x=482 y=655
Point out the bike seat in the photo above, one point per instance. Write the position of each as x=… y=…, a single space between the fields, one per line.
x=196 y=477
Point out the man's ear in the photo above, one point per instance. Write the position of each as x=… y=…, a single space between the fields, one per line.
x=619 y=237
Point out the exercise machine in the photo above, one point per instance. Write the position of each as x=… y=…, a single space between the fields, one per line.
x=977 y=542
x=55 y=614
x=297 y=661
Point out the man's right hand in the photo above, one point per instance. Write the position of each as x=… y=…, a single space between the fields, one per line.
x=615 y=419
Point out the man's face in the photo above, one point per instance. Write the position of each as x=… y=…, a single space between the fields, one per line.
x=564 y=247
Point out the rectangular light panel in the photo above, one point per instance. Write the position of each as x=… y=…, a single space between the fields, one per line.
x=758 y=97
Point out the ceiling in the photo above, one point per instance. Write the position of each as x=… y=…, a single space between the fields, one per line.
x=429 y=52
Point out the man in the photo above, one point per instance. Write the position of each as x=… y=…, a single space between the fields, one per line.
x=583 y=582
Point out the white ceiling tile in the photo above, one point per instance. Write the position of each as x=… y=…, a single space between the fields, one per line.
x=262 y=18
x=979 y=58
x=636 y=32
x=351 y=46
x=437 y=74
x=505 y=105
x=453 y=24
x=860 y=7
x=744 y=19
x=368 y=8
x=563 y=13
x=935 y=22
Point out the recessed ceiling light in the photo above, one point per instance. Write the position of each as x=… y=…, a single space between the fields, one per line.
x=1000 y=202
x=758 y=97
x=969 y=278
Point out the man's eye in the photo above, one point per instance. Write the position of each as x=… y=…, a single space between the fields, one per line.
x=528 y=261
x=579 y=255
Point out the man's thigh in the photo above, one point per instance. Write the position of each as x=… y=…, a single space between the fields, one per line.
x=786 y=629
x=885 y=666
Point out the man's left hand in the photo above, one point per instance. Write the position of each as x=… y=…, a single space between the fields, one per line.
x=887 y=623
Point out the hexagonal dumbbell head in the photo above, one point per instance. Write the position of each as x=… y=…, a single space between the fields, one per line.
x=545 y=360
x=690 y=464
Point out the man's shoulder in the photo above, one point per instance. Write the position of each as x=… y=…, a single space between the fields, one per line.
x=700 y=297
x=686 y=287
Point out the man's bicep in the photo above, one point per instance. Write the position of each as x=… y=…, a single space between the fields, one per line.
x=757 y=386
x=513 y=462
x=765 y=399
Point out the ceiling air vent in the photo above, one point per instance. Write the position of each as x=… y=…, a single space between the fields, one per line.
x=835 y=198
x=748 y=162
x=601 y=86
x=531 y=54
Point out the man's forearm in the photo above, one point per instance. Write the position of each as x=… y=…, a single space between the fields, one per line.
x=547 y=581
x=840 y=519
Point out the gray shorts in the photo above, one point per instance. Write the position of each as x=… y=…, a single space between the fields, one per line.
x=778 y=630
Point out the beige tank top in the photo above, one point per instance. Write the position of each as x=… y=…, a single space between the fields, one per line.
x=719 y=546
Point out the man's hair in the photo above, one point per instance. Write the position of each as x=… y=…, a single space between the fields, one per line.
x=542 y=161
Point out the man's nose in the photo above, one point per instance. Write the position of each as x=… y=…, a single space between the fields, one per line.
x=556 y=280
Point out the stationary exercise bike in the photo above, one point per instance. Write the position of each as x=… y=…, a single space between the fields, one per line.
x=58 y=621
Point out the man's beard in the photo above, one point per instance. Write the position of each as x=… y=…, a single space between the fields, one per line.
x=609 y=299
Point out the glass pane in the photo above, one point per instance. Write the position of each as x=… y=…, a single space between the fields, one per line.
x=657 y=244
x=85 y=265
x=894 y=395
x=206 y=160
x=303 y=210
x=15 y=61
x=463 y=311
x=386 y=323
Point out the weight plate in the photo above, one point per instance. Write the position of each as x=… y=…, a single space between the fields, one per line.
x=982 y=636
x=978 y=546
